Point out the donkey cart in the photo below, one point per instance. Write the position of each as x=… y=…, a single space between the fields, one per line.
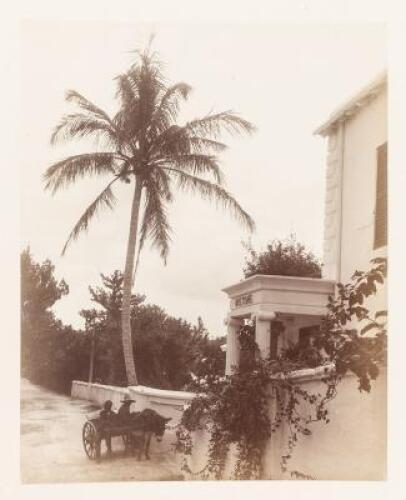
x=136 y=432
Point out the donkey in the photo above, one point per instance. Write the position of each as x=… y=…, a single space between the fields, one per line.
x=144 y=425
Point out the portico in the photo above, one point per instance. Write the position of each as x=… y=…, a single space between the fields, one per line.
x=284 y=308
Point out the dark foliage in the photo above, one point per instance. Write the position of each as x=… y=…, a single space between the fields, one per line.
x=166 y=350
x=284 y=258
x=51 y=354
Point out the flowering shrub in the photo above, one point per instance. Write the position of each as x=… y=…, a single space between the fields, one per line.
x=237 y=409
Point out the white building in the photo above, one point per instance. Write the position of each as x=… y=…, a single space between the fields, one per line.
x=355 y=226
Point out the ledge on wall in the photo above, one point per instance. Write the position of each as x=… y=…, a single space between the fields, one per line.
x=307 y=373
x=161 y=393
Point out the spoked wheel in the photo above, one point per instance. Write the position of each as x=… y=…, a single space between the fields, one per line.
x=91 y=441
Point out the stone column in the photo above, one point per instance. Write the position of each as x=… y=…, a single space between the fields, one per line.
x=263 y=331
x=233 y=346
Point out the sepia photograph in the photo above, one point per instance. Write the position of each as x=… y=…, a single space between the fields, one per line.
x=203 y=251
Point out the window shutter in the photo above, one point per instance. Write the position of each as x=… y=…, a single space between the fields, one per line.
x=381 y=215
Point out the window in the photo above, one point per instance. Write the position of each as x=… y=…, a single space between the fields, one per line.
x=381 y=216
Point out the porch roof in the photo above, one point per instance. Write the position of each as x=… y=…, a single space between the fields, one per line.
x=266 y=294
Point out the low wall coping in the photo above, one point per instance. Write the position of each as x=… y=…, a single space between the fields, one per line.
x=117 y=388
x=307 y=373
x=161 y=393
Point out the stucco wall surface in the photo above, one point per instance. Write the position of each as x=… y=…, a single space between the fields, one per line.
x=363 y=135
x=349 y=222
x=352 y=446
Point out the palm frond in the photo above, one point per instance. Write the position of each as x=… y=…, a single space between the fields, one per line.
x=161 y=183
x=139 y=91
x=87 y=105
x=173 y=94
x=127 y=118
x=177 y=140
x=105 y=199
x=155 y=223
x=65 y=172
x=203 y=145
x=212 y=125
x=167 y=110
x=210 y=191
x=126 y=91
x=82 y=125
x=197 y=164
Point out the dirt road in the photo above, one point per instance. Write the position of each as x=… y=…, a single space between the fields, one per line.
x=52 y=450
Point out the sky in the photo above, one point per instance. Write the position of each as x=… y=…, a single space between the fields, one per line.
x=285 y=79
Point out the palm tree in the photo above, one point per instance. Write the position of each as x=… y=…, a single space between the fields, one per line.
x=143 y=143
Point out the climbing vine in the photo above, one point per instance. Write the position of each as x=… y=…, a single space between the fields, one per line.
x=244 y=409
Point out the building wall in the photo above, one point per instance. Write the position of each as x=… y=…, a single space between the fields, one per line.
x=353 y=145
x=350 y=212
x=332 y=205
x=363 y=134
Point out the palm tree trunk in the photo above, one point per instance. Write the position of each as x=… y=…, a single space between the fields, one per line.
x=127 y=286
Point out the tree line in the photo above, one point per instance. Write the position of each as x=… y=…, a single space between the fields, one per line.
x=168 y=351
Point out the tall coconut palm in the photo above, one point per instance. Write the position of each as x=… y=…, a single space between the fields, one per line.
x=143 y=143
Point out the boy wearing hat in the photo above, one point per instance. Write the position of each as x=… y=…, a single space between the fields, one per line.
x=124 y=410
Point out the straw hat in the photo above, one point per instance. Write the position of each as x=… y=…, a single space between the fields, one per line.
x=127 y=399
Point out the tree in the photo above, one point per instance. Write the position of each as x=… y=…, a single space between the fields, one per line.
x=39 y=292
x=104 y=324
x=143 y=144
x=210 y=359
x=284 y=258
x=39 y=288
x=52 y=354
x=167 y=349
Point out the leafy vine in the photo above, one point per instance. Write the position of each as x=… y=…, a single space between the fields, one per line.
x=244 y=409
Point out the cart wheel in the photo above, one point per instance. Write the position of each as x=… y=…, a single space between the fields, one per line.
x=91 y=441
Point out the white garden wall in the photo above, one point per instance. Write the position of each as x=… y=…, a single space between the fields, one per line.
x=97 y=393
x=352 y=446
x=166 y=403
